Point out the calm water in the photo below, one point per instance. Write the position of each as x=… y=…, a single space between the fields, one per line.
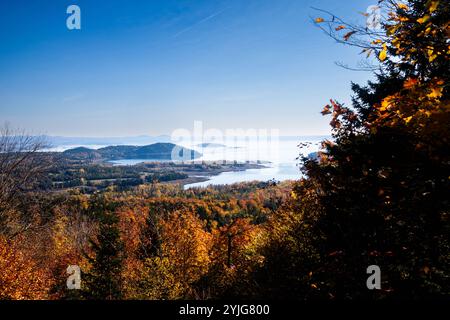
x=278 y=172
x=280 y=155
x=132 y=162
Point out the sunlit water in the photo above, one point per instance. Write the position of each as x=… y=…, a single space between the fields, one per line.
x=279 y=158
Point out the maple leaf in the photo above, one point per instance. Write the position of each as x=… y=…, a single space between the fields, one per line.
x=436 y=92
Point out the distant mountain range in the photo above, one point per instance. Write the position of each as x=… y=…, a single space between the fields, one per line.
x=156 y=151
x=111 y=141
x=57 y=141
x=211 y=145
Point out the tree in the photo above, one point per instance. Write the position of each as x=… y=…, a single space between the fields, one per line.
x=21 y=165
x=383 y=180
x=181 y=258
x=21 y=277
x=104 y=279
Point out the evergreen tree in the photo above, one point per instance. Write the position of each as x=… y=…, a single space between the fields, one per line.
x=103 y=281
x=380 y=190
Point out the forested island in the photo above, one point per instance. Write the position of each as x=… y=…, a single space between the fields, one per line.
x=90 y=170
x=156 y=151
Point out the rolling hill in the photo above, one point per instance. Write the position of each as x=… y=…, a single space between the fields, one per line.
x=157 y=151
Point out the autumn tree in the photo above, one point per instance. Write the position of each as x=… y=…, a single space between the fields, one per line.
x=181 y=260
x=383 y=180
x=70 y=231
x=21 y=277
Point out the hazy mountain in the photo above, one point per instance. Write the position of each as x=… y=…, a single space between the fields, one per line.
x=157 y=151
x=137 y=140
x=211 y=145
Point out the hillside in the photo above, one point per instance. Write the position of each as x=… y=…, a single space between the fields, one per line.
x=157 y=151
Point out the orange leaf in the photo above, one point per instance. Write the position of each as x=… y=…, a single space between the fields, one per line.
x=326 y=110
x=424 y=19
x=410 y=82
x=348 y=35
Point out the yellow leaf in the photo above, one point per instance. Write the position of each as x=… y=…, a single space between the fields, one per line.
x=339 y=28
x=395 y=42
x=392 y=29
x=431 y=55
x=383 y=55
x=402 y=6
x=384 y=105
x=319 y=20
x=407 y=119
x=433 y=6
x=424 y=19
x=435 y=93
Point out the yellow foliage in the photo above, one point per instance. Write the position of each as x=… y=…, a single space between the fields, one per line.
x=424 y=19
x=433 y=5
x=20 y=277
x=436 y=92
x=383 y=53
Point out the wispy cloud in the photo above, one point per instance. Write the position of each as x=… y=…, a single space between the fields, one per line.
x=212 y=16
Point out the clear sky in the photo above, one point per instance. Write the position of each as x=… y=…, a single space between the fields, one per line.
x=148 y=67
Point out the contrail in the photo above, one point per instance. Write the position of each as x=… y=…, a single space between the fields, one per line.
x=199 y=22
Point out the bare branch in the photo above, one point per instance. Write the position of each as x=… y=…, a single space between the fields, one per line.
x=22 y=163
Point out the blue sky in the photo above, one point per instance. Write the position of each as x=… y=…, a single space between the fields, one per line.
x=148 y=67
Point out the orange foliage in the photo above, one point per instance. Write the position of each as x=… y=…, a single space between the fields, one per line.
x=20 y=277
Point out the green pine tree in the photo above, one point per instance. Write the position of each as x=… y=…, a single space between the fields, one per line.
x=103 y=281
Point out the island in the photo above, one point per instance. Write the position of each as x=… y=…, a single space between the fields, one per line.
x=91 y=170
x=156 y=151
